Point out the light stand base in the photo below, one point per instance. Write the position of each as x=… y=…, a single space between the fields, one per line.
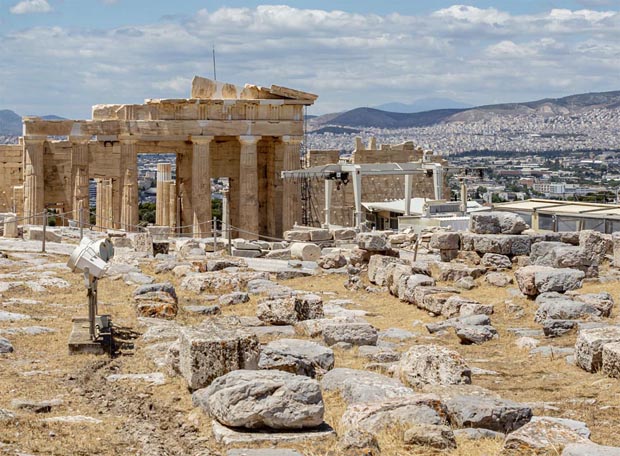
x=80 y=341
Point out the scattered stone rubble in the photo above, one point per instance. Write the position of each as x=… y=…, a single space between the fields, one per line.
x=262 y=378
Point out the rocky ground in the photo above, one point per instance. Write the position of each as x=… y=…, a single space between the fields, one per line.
x=386 y=381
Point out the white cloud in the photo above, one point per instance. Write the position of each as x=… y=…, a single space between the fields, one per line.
x=31 y=6
x=348 y=59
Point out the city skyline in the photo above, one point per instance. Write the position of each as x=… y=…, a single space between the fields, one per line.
x=349 y=53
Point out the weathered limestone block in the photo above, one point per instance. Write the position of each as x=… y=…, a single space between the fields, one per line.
x=504 y=244
x=434 y=365
x=445 y=241
x=448 y=255
x=596 y=245
x=602 y=301
x=215 y=350
x=373 y=242
x=421 y=297
x=475 y=334
x=540 y=437
x=305 y=251
x=246 y=253
x=378 y=271
x=158 y=300
x=377 y=416
x=408 y=284
x=616 y=248
x=430 y=435
x=496 y=261
x=470 y=320
x=451 y=272
x=288 y=311
x=560 y=255
x=300 y=357
x=356 y=442
x=496 y=223
x=611 y=359
x=488 y=413
x=533 y=280
x=35 y=233
x=589 y=449
x=361 y=386
x=219 y=281
x=343 y=234
x=589 y=346
x=320 y=235
x=498 y=279
x=352 y=333
x=332 y=261
x=259 y=399
x=10 y=226
x=452 y=306
x=297 y=236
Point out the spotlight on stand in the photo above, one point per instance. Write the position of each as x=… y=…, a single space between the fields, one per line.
x=90 y=257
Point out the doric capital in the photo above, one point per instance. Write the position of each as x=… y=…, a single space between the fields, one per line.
x=249 y=140
x=292 y=139
x=79 y=139
x=201 y=139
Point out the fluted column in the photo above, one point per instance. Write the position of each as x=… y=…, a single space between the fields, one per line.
x=248 y=187
x=129 y=173
x=164 y=173
x=104 y=204
x=291 y=195
x=79 y=177
x=201 y=185
x=33 y=179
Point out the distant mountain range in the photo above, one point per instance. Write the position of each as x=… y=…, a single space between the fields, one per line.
x=11 y=122
x=422 y=105
x=372 y=117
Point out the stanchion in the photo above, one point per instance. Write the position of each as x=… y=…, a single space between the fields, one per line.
x=44 y=231
x=214 y=235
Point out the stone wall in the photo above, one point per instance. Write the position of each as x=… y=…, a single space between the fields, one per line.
x=11 y=174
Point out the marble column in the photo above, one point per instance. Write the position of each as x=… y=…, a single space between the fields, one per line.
x=248 y=187
x=33 y=179
x=104 y=211
x=201 y=186
x=291 y=202
x=164 y=173
x=172 y=206
x=129 y=186
x=79 y=178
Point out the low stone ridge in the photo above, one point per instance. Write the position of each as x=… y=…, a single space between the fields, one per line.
x=432 y=364
x=263 y=399
x=214 y=350
x=360 y=386
x=589 y=346
x=496 y=223
x=300 y=357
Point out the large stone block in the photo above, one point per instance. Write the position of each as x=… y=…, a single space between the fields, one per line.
x=35 y=233
x=451 y=272
x=596 y=245
x=300 y=357
x=263 y=399
x=540 y=437
x=611 y=359
x=351 y=333
x=488 y=413
x=297 y=235
x=503 y=244
x=373 y=241
x=408 y=284
x=377 y=268
x=496 y=223
x=533 y=280
x=214 y=350
x=445 y=241
x=157 y=300
x=432 y=365
x=589 y=346
x=320 y=235
x=361 y=386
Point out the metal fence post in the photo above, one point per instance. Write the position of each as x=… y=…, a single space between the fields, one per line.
x=44 y=231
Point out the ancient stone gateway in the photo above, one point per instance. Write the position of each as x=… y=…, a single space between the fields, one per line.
x=247 y=134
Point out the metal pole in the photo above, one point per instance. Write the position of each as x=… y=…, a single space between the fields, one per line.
x=44 y=231
x=81 y=219
x=226 y=203
x=214 y=235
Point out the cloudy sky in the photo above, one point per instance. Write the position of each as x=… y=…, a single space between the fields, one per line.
x=62 y=56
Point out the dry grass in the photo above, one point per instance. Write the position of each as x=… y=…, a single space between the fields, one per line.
x=131 y=413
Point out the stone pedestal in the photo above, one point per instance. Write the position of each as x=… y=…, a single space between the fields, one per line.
x=10 y=226
x=248 y=187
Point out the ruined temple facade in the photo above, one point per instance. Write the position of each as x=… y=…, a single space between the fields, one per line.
x=374 y=188
x=246 y=134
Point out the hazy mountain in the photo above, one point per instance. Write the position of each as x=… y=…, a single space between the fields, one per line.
x=422 y=105
x=570 y=105
x=11 y=122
